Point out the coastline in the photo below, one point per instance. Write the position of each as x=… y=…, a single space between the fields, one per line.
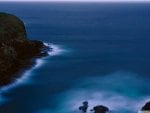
x=22 y=76
x=34 y=62
x=17 y=50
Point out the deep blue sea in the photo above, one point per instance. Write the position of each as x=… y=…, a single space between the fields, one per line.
x=101 y=54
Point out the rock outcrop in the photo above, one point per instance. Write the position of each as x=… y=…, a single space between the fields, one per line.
x=146 y=107
x=100 y=109
x=16 y=50
x=84 y=107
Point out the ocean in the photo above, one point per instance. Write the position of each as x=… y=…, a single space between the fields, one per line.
x=101 y=54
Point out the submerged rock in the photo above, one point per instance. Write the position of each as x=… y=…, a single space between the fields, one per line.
x=146 y=107
x=16 y=50
x=100 y=109
x=84 y=107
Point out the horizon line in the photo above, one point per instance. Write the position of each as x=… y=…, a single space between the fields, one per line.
x=82 y=1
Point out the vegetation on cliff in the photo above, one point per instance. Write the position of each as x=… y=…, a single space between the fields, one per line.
x=16 y=50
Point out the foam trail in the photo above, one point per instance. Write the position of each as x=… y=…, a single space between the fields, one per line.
x=109 y=90
x=26 y=77
x=56 y=49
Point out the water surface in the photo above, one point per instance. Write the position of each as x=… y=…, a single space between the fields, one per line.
x=102 y=55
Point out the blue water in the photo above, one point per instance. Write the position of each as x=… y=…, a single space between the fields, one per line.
x=102 y=54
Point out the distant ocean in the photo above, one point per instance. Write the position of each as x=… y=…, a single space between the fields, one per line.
x=101 y=55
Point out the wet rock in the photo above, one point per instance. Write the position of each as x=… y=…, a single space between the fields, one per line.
x=146 y=107
x=100 y=109
x=84 y=107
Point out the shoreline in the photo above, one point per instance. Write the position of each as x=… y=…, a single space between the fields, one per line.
x=24 y=73
x=31 y=64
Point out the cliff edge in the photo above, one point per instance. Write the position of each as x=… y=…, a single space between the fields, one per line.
x=16 y=50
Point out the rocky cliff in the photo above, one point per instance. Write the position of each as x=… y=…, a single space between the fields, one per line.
x=16 y=50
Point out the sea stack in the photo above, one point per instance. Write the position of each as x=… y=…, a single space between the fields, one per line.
x=16 y=50
x=146 y=107
x=100 y=109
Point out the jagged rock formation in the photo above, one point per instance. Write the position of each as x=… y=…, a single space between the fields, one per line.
x=84 y=107
x=100 y=109
x=16 y=50
x=146 y=107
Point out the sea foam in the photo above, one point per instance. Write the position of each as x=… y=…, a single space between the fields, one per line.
x=56 y=49
x=26 y=77
x=119 y=91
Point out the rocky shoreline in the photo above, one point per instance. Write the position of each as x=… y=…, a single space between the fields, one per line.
x=16 y=50
x=104 y=109
x=146 y=107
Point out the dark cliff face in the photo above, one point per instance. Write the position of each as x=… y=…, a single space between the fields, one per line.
x=16 y=51
x=11 y=28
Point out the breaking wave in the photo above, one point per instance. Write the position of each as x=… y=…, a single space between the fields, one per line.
x=120 y=91
x=26 y=78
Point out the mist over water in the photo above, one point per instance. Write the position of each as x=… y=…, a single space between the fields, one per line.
x=27 y=75
x=100 y=54
x=121 y=95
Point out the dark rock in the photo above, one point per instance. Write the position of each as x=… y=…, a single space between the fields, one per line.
x=146 y=107
x=84 y=107
x=100 y=109
x=16 y=50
